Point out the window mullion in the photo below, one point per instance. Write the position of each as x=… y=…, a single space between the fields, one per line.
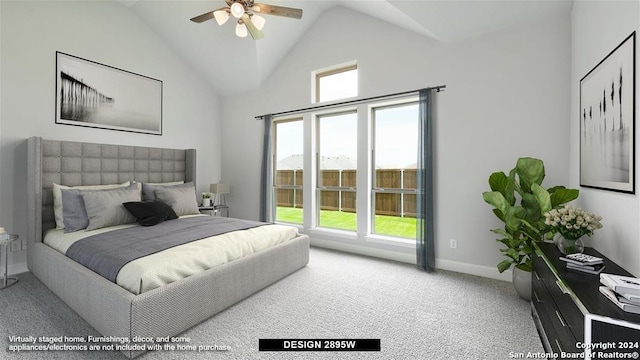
x=363 y=177
x=309 y=175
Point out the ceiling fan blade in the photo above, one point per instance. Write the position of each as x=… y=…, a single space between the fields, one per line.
x=229 y=2
x=206 y=16
x=277 y=10
x=256 y=34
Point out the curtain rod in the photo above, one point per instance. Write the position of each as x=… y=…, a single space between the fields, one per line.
x=435 y=88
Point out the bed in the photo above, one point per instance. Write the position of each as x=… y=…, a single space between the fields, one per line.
x=165 y=311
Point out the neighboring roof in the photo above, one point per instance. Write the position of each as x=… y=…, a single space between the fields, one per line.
x=342 y=162
x=295 y=162
x=291 y=162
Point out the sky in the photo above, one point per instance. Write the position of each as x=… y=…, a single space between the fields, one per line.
x=394 y=130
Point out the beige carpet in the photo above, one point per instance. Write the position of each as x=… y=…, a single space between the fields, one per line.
x=416 y=315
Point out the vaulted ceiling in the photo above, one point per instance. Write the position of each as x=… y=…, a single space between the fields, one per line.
x=235 y=65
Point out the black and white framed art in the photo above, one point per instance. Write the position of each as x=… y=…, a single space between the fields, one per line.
x=607 y=121
x=100 y=96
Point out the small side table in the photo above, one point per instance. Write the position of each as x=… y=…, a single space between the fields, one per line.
x=4 y=254
x=208 y=209
x=215 y=210
x=218 y=208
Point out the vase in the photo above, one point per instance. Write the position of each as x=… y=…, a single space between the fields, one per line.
x=206 y=202
x=568 y=246
x=522 y=283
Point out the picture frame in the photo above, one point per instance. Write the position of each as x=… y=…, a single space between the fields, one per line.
x=100 y=96
x=607 y=121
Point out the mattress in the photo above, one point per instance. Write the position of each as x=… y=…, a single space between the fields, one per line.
x=155 y=270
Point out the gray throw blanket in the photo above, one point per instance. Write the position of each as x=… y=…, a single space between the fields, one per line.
x=108 y=252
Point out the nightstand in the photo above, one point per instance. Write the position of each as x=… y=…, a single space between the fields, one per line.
x=5 y=245
x=206 y=209
x=218 y=208
x=215 y=210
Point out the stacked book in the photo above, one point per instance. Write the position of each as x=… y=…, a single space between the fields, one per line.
x=584 y=263
x=624 y=291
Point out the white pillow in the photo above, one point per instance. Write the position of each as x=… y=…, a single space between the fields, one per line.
x=104 y=208
x=57 y=197
x=181 y=199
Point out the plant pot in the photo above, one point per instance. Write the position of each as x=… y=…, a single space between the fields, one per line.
x=206 y=202
x=567 y=246
x=522 y=283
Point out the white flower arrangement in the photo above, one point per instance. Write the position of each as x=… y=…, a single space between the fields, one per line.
x=206 y=195
x=572 y=222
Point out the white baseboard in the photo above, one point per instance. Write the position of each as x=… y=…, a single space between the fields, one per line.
x=362 y=250
x=473 y=269
x=465 y=268
x=17 y=268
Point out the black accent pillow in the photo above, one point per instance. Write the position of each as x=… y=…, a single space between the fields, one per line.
x=149 y=213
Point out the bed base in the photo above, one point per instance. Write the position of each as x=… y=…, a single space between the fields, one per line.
x=113 y=311
x=171 y=309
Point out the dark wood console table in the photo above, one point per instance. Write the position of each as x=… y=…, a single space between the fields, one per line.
x=572 y=316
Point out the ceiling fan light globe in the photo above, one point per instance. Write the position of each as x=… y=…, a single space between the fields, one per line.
x=221 y=16
x=241 y=30
x=237 y=10
x=258 y=21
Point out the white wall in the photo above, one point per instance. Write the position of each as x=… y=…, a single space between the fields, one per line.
x=507 y=96
x=597 y=28
x=109 y=33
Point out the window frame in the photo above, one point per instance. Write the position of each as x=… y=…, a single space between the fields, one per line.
x=333 y=70
x=374 y=188
x=364 y=235
x=274 y=161
x=317 y=173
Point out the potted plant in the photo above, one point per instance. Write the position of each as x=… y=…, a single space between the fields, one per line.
x=520 y=201
x=206 y=199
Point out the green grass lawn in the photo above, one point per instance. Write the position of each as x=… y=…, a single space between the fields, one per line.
x=384 y=225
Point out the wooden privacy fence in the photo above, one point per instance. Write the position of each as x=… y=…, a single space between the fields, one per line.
x=289 y=191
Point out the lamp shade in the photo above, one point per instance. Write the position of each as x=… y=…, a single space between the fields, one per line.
x=241 y=29
x=221 y=16
x=258 y=21
x=220 y=188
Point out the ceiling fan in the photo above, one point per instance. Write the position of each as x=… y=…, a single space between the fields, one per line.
x=246 y=11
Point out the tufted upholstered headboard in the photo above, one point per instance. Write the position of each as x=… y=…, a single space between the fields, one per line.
x=75 y=163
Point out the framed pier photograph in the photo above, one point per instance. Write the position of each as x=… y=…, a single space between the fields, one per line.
x=607 y=121
x=100 y=96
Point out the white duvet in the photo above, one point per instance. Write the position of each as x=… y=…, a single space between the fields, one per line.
x=152 y=271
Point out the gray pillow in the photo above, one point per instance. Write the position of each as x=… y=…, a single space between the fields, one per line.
x=57 y=197
x=181 y=199
x=148 y=189
x=104 y=208
x=74 y=214
x=73 y=206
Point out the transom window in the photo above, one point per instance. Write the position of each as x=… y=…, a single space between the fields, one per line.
x=336 y=83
